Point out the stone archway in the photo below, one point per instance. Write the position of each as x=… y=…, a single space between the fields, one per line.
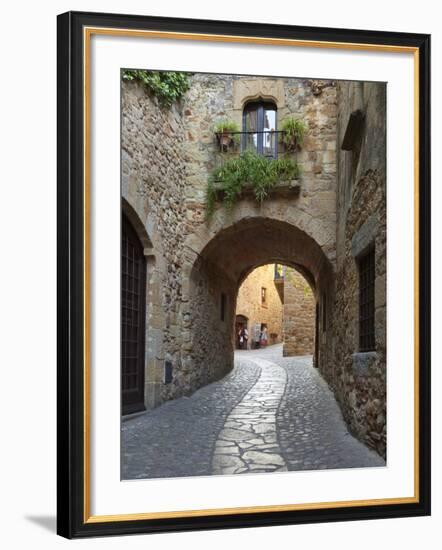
x=152 y=325
x=220 y=264
x=134 y=218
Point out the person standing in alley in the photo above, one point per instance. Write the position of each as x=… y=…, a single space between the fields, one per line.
x=264 y=337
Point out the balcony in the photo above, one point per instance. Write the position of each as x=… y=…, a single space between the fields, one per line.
x=266 y=144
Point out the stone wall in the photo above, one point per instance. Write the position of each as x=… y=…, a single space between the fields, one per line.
x=249 y=303
x=313 y=211
x=153 y=186
x=167 y=156
x=359 y=379
x=194 y=264
x=298 y=315
x=208 y=329
x=215 y=97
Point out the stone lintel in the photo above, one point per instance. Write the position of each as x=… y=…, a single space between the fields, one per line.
x=258 y=88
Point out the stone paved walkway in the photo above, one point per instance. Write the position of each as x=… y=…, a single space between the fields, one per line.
x=248 y=441
x=269 y=414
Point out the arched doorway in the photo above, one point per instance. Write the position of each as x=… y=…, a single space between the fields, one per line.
x=222 y=264
x=133 y=307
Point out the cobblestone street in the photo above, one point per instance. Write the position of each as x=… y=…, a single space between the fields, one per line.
x=269 y=414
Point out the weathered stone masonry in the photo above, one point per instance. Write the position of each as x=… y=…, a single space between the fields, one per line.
x=299 y=315
x=359 y=379
x=194 y=266
x=153 y=181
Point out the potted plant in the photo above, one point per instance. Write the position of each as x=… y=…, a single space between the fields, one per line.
x=293 y=133
x=226 y=132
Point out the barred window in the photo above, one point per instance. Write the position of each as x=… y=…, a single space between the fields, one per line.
x=223 y=306
x=324 y=313
x=366 y=301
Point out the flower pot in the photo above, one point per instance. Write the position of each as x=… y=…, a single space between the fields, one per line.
x=226 y=139
x=291 y=145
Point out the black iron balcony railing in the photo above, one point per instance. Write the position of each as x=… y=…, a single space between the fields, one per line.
x=268 y=143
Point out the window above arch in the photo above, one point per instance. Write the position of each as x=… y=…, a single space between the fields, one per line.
x=259 y=127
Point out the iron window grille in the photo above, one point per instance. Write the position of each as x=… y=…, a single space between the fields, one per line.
x=324 y=313
x=133 y=299
x=366 y=301
x=223 y=306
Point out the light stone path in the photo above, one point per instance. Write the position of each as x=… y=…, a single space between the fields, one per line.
x=270 y=414
x=248 y=441
x=177 y=438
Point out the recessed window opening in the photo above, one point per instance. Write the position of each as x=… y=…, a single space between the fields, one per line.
x=259 y=127
x=223 y=306
x=366 y=301
x=263 y=296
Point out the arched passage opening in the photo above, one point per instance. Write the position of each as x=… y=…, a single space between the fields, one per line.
x=280 y=307
x=216 y=275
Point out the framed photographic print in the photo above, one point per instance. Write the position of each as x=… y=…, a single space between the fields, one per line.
x=243 y=274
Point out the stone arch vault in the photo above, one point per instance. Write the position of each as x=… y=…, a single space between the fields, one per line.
x=217 y=264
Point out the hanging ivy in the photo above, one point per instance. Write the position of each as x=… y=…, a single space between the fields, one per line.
x=168 y=87
x=249 y=169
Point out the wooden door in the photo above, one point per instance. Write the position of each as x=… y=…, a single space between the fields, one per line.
x=133 y=308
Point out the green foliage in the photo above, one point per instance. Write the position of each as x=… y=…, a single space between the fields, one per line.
x=226 y=126
x=248 y=169
x=168 y=87
x=210 y=198
x=294 y=129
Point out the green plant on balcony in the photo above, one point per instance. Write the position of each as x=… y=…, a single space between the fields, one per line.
x=248 y=170
x=294 y=130
x=226 y=132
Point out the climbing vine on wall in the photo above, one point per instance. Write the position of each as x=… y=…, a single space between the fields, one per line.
x=168 y=87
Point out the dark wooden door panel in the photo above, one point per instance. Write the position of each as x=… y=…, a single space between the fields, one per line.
x=133 y=307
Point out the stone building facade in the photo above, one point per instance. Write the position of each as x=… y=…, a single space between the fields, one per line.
x=280 y=299
x=359 y=376
x=194 y=266
x=259 y=303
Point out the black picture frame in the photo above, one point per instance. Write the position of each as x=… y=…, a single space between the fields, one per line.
x=72 y=516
